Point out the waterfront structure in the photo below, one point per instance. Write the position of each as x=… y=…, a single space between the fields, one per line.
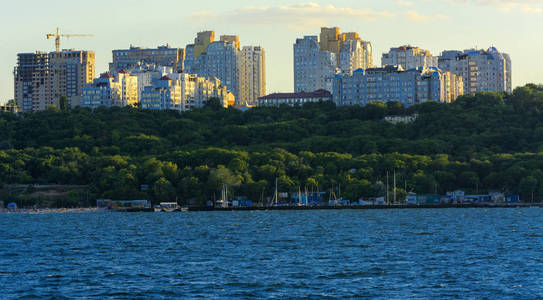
x=243 y=72
x=41 y=78
x=393 y=83
x=252 y=74
x=409 y=57
x=108 y=90
x=183 y=92
x=482 y=70
x=126 y=59
x=292 y=99
x=318 y=58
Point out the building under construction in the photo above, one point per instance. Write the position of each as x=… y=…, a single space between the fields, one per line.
x=41 y=78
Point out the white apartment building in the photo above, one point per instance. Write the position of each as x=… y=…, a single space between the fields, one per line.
x=482 y=70
x=313 y=68
x=409 y=57
x=318 y=58
x=355 y=54
x=243 y=72
x=393 y=83
x=119 y=90
x=146 y=74
x=183 y=92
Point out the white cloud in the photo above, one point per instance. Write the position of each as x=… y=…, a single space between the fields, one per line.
x=416 y=17
x=404 y=3
x=300 y=16
x=529 y=6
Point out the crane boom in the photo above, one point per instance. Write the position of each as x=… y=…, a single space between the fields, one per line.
x=58 y=35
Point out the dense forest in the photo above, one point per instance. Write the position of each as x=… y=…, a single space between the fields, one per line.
x=488 y=141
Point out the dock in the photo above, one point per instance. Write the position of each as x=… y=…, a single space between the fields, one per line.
x=372 y=207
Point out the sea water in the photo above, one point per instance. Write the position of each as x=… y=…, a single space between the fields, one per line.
x=386 y=254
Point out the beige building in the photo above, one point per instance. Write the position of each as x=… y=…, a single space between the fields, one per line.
x=133 y=57
x=252 y=75
x=40 y=79
x=409 y=57
x=318 y=58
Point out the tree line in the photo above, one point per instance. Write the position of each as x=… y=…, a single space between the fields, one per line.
x=488 y=141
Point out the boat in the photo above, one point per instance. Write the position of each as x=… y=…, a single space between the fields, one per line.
x=223 y=202
x=167 y=207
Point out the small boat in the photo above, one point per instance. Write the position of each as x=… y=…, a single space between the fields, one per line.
x=167 y=207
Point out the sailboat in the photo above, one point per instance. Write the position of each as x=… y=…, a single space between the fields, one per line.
x=223 y=202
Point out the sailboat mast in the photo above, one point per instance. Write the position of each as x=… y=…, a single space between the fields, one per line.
x=387 y=200
x=394 y=186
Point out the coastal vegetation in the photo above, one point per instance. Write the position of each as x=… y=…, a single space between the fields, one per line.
x=488 y=141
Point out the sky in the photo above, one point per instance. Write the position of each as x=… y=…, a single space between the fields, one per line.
x=513 y=26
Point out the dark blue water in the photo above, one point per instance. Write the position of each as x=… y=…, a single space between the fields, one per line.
x=387 y=254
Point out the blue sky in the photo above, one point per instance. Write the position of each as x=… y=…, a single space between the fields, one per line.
x=513 y=26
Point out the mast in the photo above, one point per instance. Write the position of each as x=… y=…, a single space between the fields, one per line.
x=276 y=189
x=387 y=198
x=394 y=186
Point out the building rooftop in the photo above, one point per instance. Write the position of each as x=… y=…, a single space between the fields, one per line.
x=315 y=94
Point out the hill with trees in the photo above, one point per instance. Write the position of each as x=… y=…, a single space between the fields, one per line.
x=488 y=141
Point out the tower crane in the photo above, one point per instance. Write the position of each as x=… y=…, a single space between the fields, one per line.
x=57 y=37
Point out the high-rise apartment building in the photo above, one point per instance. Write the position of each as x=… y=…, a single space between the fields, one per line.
x=225 y=60
x=135 y=56
x=252 y=74
x=119 y=90
x=409 y=57
x=393 y=83
x=40 y=78
x=482 y=70
x=318 y=58
x=32 y=74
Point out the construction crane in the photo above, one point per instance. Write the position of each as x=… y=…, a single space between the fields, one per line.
x=57 y=37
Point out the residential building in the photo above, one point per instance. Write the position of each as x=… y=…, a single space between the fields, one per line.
x=183 y=92
x=126 y=59
x=252 y=74
x=241 y=71
x=294 y=98
x=409 y=57
x=33 y=86
x=10 y=107
x=393 y=83
x=108 y=90
x=354 y=55
x=318 y=58
x=40 y=78
x=482 y=70
x=164 y=94
x=147 y=73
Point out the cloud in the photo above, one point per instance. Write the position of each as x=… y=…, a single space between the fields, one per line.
x=299 y=16
x=416 y=17
x=404 y=3
x=529 y=6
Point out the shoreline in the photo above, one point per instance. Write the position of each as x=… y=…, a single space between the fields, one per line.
x=373 y=207
x=281 y=208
